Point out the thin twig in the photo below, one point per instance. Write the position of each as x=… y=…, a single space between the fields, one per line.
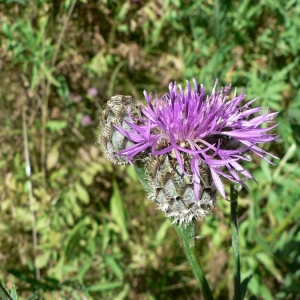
x=47 y=88
x=62 y=33
x=30 y=193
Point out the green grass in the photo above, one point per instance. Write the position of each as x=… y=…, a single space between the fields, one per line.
x=97 y=236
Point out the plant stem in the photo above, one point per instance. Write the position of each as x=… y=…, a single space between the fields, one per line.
x=235 y=241
x=187 y=236
x=47 y=89
x=30 y=193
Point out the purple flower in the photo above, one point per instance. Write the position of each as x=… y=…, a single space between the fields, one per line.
x=86 y=120
x=214 y=129
x=92 y=91
x=75 y=98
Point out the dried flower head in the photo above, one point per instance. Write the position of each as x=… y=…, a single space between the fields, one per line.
x=120 y=110
x=205 y=134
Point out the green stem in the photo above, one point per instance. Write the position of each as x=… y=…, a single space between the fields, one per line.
x=187 y=236
x=235 y=241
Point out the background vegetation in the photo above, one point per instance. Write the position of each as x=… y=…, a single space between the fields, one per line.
x=75 y=227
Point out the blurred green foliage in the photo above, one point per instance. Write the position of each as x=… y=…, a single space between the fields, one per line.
x=5 y=295
x=75 y=227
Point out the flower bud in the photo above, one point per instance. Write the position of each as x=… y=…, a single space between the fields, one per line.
x=119 y=109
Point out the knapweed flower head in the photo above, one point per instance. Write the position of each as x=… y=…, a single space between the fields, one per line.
x=119 y=111
x=206 y=135
x=172 y=189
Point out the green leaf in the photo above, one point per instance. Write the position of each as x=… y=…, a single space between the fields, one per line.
x=6 y=29
x=265 y=291
x=244 y=286
x=4 y=294
x=162 y=232
x=73 y=241
x=34 y=77
x=140 y=171
x=82 y=193
x=118 y=211
x=50 y=77
x=56 y=125
x=82 y=271
x=104 y=286
x=42 y=260
x=268 y=263
x=75 y=295
x=131 y=173
x=13 y=293
x=266 y=169
x=105 y=237
x=52 y=157
x=63 y=90
x=87 y=178
x=111 y=262
x=124 y=294
x=22 y=2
